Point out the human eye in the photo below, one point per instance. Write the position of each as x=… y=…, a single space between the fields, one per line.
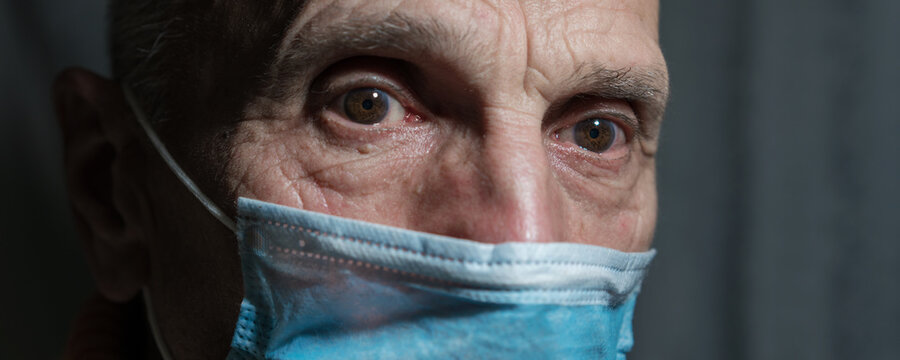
x=364 y=95
x=596 y=135
x=369 y=106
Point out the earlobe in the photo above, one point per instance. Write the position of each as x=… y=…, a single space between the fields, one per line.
x=100 y=170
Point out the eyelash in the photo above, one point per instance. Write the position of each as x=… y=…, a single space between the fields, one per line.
x=340 y=87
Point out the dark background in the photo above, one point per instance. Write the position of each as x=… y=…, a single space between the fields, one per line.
x=778 y=234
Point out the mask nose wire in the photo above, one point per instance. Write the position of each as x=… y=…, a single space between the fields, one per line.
x=191 y=186
x=179 y=173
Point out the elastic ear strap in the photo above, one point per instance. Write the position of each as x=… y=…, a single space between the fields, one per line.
x=179 y=173
x=154 y=328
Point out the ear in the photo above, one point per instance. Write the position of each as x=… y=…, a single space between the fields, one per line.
x=103 y=167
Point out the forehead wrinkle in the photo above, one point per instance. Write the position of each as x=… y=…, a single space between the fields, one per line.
x=535 y=79
x=565 y=35
x=641 y=81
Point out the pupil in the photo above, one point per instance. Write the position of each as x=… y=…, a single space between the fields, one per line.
x=594 y=133
x=367 y=104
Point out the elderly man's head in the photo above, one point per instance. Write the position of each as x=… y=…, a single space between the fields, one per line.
x=495 y=121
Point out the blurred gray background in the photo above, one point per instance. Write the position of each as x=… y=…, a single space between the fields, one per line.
x=778 y=233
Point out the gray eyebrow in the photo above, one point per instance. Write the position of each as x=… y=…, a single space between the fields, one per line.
x=393 y=35
x=646 y=88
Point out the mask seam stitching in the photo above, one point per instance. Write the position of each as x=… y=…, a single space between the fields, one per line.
x=368 y=265
x=294 y=227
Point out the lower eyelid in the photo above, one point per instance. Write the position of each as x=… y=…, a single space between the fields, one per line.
x=589 y=164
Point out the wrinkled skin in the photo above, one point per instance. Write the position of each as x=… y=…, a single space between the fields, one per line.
x=473 y=151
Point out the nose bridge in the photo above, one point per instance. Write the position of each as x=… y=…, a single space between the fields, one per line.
x=493 y=186
x=522 y=192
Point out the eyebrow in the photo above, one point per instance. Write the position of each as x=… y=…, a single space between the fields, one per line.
x=644 y=87
x=393 y=35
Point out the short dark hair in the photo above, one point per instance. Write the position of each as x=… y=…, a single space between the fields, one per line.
x=139 y=34
x=172 y=53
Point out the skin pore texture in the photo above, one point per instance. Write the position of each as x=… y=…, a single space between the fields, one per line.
x=480 y=93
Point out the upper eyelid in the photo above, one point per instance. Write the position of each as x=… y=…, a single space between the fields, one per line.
x=630 y=122
x=334 y=89
x=626 y=122
x=363 y=71
x=332 y=86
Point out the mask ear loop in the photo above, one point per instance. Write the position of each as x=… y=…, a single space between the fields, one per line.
x=179 y=173
x=193 y=188
x=154 y=328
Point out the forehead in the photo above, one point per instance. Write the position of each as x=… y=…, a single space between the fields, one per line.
x=557 y=35
x=487 y=11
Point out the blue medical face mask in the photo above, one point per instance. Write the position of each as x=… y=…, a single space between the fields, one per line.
x=322 y=287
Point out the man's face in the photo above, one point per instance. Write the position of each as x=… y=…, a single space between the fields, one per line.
x=495 y=121
x=466 y=119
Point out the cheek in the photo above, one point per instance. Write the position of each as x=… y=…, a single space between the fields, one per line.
x=440 y=186
x=634 y=230
x=638 y=220
x=626 y=225
x=619 y=217
x=259 y=167
x=629 y=229
x=295 y=167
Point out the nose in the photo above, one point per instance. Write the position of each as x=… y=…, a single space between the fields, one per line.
x=495 y=186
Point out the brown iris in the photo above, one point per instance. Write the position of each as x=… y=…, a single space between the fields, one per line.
x=595 y=135
x=366 y=106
